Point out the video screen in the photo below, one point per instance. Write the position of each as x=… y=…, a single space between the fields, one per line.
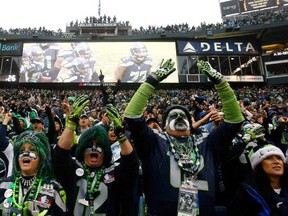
x=250 y=5
x=83 y=62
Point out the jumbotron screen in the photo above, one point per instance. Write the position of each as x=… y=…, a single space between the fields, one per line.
x=229 y=7
x=250 y=5
x=84 y=62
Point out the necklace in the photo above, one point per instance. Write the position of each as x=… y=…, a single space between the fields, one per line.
x=186 y=154
x=27 y=181
x=93 y=182
x=18 y=196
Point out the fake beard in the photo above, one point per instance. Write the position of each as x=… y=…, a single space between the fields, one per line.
x=179 y=124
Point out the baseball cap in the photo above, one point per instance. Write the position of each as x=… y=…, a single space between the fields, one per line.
x=37 y=119
x=84 y=115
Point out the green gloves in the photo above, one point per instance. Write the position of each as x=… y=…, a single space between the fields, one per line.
x=77 y=107
x=114 y=116
x=209 y=72
x=161 y=73
x=253 y=132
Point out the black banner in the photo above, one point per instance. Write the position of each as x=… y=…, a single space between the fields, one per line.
x=229 y=7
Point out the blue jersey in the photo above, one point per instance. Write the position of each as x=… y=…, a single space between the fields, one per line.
x=116 y=179
x=6 y=153
x=163 y=177
x=135 y=72
x=50 y=199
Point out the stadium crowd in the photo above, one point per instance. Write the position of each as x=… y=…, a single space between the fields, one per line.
x=269 y=16
x=113 y=151
x=42 y=110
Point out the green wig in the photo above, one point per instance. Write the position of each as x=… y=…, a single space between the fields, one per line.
x=42 y=146
x=88 y=138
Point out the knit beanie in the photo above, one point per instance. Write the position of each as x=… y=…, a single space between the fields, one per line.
x=263 y=153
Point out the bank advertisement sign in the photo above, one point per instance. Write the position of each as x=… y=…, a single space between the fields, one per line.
x=10 y=49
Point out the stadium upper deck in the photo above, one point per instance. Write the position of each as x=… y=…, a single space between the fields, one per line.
x=244 y=48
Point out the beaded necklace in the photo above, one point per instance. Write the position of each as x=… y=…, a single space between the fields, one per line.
x=185 y=154
x=19 y=197
x=93 y=182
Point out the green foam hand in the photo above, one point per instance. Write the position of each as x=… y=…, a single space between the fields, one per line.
x=77 y=108
x=114 y=116
x=209 y=72
x=166 y=68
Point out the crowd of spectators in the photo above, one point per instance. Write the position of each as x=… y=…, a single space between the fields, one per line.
x=160 y=99
x=252 y=18
x=31 y=31
x=92 y=20
x=256 y=102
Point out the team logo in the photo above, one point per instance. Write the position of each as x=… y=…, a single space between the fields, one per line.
x=109 y=178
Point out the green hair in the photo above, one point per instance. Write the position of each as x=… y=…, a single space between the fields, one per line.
x=42 y=146
x=87 y=138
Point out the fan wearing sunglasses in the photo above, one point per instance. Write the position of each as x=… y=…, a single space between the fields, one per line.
x=92 y=182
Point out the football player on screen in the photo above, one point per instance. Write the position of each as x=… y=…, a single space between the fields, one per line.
x=36 y=66
x=78 y=72
x=134 y=68
x=81 y=53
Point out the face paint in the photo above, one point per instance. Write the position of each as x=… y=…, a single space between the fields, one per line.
x=177 y=120
x=28 y=154
x=93 y=149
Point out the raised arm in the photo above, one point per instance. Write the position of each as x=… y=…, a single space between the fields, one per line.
x=125 y=145
x=138 y=102
x=231 y=108
x=66 y=138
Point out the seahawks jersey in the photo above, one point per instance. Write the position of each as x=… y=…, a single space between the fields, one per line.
x=50 y=55
x=117 y=178
x=50 y=199
x=163 y=177
x=6 y=153
x=135 y=72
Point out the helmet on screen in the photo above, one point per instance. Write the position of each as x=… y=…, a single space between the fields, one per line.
x=83 y=50
x=81 y=65
x=44 y=45
x=37 y=54
x=74 y=45
x=26 y=55
x=139 y=52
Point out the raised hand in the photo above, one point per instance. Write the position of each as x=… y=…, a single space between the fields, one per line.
x=166 y=68
x=101 y=76
x=114 y=116
x=252 y=132
x=209 y=72
x=77 y=108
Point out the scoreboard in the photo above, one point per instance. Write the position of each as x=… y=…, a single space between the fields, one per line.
x=250 y=5
x=229 y=7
